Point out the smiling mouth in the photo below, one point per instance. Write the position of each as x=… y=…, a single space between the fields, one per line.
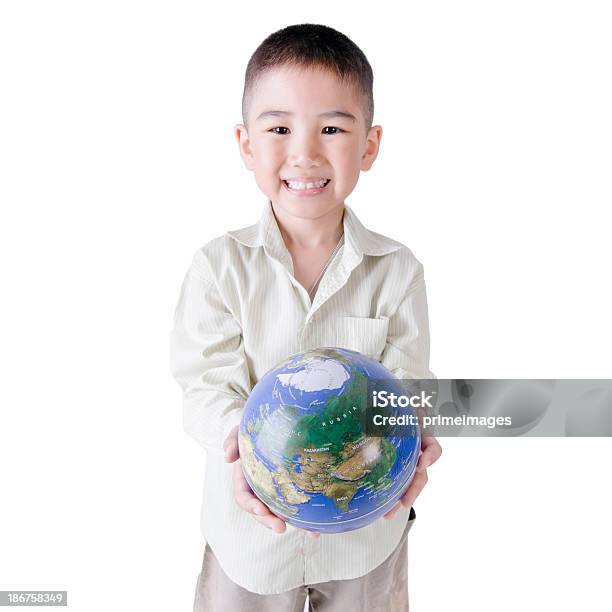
x=307 y=187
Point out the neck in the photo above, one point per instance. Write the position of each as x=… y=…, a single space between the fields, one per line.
x=310 y=233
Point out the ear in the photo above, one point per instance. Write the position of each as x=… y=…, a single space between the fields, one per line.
x=244 y=145
x=372 y=145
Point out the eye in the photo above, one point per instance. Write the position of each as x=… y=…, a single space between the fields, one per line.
x=279 y=130
x=336 y=130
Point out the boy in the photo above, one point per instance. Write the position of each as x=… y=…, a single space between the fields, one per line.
x=308 y=275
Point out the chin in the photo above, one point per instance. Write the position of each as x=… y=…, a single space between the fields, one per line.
x=307 y=210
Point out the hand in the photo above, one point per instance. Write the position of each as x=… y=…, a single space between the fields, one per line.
x=430 y=453
x=244 y=495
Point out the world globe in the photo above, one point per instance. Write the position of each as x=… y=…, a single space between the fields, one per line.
x=305 y=447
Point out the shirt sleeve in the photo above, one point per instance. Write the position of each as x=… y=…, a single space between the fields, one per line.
x=406 y=351
x=207 y=359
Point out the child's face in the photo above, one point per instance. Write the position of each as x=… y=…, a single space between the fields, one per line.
x=305 y=126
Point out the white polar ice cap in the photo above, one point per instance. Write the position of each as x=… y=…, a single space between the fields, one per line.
x=316 y=375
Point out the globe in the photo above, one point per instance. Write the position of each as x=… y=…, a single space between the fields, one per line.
x=305 y=447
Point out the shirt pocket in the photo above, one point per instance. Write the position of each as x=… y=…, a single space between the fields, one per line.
x=363 y=334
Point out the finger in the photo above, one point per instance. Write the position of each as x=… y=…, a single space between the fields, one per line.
x=271 y=521
x=393 y=511
x=230 y=445
x=311 y=534
x=248 y=501
x=430 y=453
x=415 y=488
x=244 y=496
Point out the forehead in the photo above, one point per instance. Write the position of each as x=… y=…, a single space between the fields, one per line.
x=303 y=91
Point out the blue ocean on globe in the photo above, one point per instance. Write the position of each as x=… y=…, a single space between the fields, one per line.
x=305 y=450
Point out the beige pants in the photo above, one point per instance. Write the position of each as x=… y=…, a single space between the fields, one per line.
x=384 y=588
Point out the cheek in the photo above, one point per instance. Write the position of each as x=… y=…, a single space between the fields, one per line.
x=268 y=148
x=267 y=163
x=348 y=161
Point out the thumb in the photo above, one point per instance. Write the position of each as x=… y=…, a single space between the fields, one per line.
x=230 y=446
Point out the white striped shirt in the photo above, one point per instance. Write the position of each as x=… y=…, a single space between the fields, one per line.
x=240 y=313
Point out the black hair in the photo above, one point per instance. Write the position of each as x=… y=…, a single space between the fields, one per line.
x=310 y=45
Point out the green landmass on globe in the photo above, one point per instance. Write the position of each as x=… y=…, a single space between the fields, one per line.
x=323 y=452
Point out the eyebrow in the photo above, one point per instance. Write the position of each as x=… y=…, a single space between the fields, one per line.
x=327 y=115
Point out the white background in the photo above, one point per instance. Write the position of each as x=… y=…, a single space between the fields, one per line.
x=117 y=161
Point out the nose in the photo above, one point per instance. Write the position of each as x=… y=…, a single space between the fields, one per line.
x=305 y=152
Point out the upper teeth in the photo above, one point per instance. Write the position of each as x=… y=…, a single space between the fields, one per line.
x=299 y=185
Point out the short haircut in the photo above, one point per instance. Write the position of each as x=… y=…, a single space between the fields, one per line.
x=312 y=46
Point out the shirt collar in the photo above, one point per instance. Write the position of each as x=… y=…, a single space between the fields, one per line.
x=357 y=238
